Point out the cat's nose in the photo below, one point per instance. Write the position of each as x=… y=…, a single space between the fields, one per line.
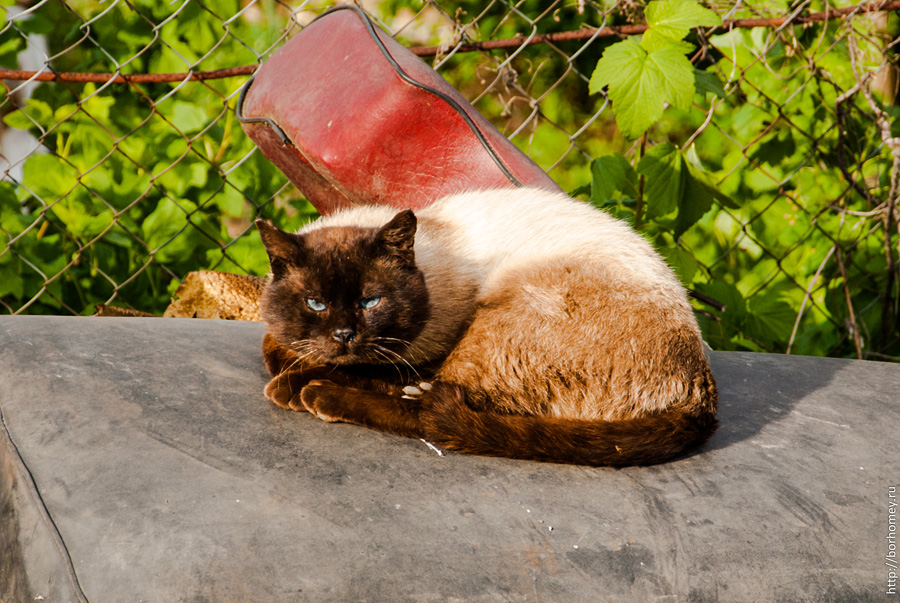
x=344 y=336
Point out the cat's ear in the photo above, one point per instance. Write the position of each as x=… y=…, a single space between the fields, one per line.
x=397 y=236
x=283 y=249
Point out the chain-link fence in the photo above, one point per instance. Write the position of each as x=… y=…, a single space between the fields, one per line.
x=122 y=166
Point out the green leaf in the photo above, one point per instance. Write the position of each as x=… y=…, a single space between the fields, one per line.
x=36 y=23
x=230 y=201
x=664 y=178
x=176 y=148
x=181 y=176
x=81 y=224
x=671 y=69
x=696 y=201
x=671 y=182
x=11 y=282
x=583 y=190
x=775 y=148
x=167 y=232
x=246 y=255
x=616 y=67
x=641 y=82
x=64 y=112
x=20 y=120
x=682 y=262
x=8 y=199
x=9 y=49
x=728 y=295
x=49 y=177
x=708 y=82
x=674 y=18
x=98 y=107
x=653 y=40
x=612 y=178
x=742 y=344
x=199 y=174
x=178 y=233
x=698 y=171
x=770 y=318
x=622 y=68
x=100 y=179
x=187 y=117
x=35 y=112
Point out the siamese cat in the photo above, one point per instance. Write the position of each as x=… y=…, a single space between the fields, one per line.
x=517 y=323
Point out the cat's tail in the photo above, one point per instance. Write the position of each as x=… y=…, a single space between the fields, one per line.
x=450 y=423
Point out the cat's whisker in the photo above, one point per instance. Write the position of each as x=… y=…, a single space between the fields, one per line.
x=394 y=354
x=415 y=357
x=391 y=357
x=407 y=346
x=405 y=343
x=304 y=350
x=389 y=361
x=302 y=345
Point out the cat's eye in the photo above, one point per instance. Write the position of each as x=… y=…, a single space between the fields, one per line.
x=315 y=305
x=368 y=303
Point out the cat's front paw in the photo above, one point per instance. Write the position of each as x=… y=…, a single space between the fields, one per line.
x=283 y=390
x=322 y=399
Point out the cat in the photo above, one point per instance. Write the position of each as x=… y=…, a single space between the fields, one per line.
x=539 y=328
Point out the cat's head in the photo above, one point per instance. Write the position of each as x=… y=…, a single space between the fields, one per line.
x=345 y=295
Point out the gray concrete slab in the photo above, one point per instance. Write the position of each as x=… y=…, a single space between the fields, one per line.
x=139 y=461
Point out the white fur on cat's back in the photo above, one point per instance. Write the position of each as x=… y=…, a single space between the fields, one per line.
x=467 y=244
x=495 y=231
x=509 y=228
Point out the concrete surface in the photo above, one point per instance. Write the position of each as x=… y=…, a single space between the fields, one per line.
x=139 y=461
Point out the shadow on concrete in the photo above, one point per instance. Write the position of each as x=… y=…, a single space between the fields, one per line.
x=756 y=390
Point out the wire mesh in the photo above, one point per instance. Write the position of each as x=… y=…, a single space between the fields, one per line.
x=128 y=169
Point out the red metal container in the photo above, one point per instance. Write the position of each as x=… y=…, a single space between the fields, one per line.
x=353 y=117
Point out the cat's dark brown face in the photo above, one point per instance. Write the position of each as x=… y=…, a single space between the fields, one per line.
x=345 y=295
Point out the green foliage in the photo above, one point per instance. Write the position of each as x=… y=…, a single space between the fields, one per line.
x=136 y=187
x=678 y=192
x=643 y=76
x=641 y=82
x=753 y=214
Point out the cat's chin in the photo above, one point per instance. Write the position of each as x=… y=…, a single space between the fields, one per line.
x=345 y=360
x=340 y=355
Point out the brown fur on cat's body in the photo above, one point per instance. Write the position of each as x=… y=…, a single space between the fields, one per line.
x=549 y=330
